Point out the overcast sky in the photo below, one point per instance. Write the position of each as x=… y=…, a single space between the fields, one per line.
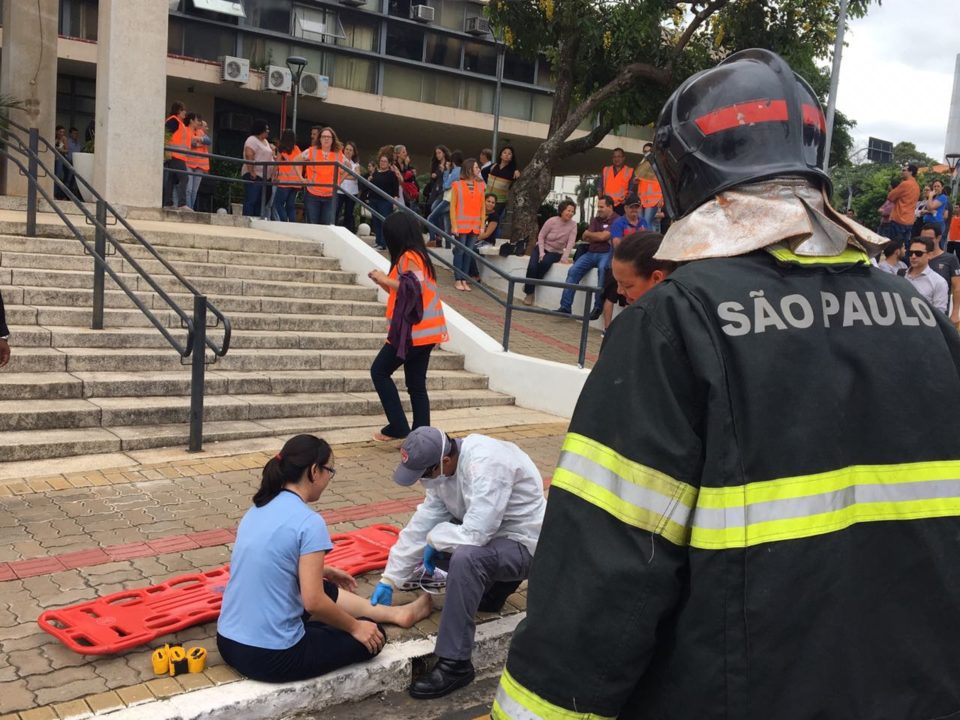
x=897 y=74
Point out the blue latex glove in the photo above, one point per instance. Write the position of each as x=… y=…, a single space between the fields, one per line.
x=382 y=594
x=430 y=557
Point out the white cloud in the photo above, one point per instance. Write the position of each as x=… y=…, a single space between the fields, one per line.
x=897 y=73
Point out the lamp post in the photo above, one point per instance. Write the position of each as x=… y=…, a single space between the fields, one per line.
x=501 y=51
x=835 y=80
x=296 y=64
x=952 y=160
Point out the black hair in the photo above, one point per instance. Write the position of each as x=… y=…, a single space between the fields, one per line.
x=490 y=195
x=512 y=165
x=258 y=127
x=619 y=150
x=638 y=250
x=456 y=157
x=402 y=234
x=607 y=199
x=937 y=232
x=925 y=241
x=891 y=247
x=74 y=129
x=299 y=453
x=437 y=165
x=190 y=117
x=487 y=153
x=175 y=107
x=913 y=169
x=356 y=150
x=468 y=163
x=564 y=204
x=288 y=140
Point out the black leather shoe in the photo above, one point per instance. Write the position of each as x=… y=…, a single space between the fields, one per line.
x=597 y=312
x=446 y=676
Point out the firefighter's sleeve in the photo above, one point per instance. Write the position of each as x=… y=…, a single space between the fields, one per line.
x=407 y=552
x=612 y=553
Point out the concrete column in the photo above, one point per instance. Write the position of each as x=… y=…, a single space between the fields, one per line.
x=131 y=88
x=28 y=73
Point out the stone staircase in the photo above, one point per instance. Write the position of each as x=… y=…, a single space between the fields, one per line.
x=304 y=336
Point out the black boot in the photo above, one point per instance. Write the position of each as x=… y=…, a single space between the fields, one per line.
x=446 y=676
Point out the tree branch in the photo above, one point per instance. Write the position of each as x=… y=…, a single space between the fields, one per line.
x=588 y=141
x=701 y=17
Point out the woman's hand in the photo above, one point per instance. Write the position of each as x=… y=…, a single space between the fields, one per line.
x=340 y=578
x=516 y=174
x=368 y=634
x=378 y=276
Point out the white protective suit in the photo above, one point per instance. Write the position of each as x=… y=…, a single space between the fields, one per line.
x=497 y=492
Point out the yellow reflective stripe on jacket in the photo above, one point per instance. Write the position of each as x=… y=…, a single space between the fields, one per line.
x=850 y=256
x=635 y=494
x=515 y=702
x=805 y=506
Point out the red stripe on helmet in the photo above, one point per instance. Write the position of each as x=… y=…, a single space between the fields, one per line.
x=756 y=111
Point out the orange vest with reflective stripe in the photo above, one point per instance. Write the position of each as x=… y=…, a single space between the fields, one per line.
x=180 y=138
x=432 y=329
x=616 y=185
x=199 y=163
x=954 y=233
x=322 y=173
x=470 y=208
x=650 y=193
x=288 y=175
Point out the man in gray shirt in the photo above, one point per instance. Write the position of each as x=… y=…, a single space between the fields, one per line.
x=947 y=266
x=890 y=259
x=926 y=282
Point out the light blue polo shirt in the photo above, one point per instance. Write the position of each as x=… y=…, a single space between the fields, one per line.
x=262 y=605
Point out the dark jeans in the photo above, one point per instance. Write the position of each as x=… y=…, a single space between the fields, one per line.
x=901 y=233
x=321 y=650
x=172 y=178
x=384 y=207
x=319 y=210
x=537 y=268
x=345 y=206
x=583 y=265
x=415 y=376
x=252 y=195
x=285 y=203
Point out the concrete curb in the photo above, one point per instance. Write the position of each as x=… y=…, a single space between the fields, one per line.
x=390 y=671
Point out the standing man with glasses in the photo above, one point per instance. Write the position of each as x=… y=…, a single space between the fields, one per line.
x=481 y=518
x=924 y=280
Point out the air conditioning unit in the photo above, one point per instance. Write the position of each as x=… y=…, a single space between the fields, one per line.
x=236 y=69
x=421 y=13
x=476 y=26
x=353 y=3
x=277 y=78
x=313 y=85
x=235 y=121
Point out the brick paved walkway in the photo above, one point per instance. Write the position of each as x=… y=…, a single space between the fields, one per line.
x=73 y=537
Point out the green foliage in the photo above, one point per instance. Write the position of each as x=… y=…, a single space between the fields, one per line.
x=226 y=192
x=546 y=211
x=907 y=152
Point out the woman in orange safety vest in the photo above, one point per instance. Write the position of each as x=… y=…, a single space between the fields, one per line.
x=409 y=346
x=320 y=198
x=288 y=178
x=466 y=218
x=197 y=165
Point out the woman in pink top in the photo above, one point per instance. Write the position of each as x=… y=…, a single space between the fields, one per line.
x=554 y=243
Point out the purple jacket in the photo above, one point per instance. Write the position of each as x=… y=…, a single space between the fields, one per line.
x=407 y=312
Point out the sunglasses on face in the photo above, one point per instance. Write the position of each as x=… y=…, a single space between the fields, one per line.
x=918 y=253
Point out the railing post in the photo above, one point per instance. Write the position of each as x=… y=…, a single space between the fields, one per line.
x=508 y=315
x=585 y=329
x=100 y=247
x=198 y=371
x=263 y=192
x=32 y=170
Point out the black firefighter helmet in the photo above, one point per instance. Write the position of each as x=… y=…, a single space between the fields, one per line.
x=749 y=118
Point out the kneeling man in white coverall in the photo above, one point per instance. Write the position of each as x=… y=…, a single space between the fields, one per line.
x=483 y=509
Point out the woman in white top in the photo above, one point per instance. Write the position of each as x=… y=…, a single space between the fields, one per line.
x=349 y=188
x=256 y=149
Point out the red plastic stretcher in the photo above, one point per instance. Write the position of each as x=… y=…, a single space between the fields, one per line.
x=132 y=618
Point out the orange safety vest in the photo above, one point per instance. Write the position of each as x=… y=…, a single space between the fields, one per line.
x=288 y=175
x=650 y=193
x=180 y=138
x=617 y=185
x=199 y=163
x=954 y=234
x=322 y=173
x=469 y=218
x=432 y=329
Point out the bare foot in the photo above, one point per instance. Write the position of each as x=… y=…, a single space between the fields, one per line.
x=412 y=613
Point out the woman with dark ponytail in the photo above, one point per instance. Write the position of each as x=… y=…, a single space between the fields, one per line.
x=286 y=616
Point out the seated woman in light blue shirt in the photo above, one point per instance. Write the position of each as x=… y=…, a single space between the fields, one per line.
x=285 y=615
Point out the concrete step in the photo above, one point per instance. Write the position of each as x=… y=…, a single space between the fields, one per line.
x=39 y=385
x=50 y=444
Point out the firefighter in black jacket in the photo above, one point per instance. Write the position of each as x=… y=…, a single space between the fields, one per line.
x=753 y=517
x=4 y=336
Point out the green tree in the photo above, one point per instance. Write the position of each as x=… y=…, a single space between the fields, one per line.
x=615 y=62
x=907 y=152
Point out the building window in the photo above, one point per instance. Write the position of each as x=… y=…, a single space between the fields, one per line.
x=263 y=51
x=76 y=102
x=515 y=103
x=480 y=58
x=404 y=41
x=401 y=82
x=270 y=15
x=78 y=19
x=399 y=8
x=359 y=32
x=317 y=24
x=438 y=89
x=542 y=108
x=544 y=73
x=451 y=13
x=478 y=96
x=205 y=42
x=518 y=69
x=353 y=73
x=443 y=50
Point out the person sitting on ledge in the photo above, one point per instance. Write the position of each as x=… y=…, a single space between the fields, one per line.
x=286 y=616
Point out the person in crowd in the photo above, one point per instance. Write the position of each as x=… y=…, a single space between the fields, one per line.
x=408 y=177
x=288 y=179
x=319 y=199
x=467 y=198
x=4 y=336
x=349 y=188
x=634 y=271
x=408 y=346
x=646 y=185
x=502 y=175
x=177 y=135
x=286 y=614
x=486 y=163
x=440 y=216
x=197 y=165
x=481 y=518
x=890 y=259
x=615 y=180
x=597 y=235
x=387 y=178
x=433 y=190
x=904 y=198
x=953 y=236
x=75 y=145
x=925 y=281
x=947 y=266
x=256 y=149
x=935 y=207
x=554 y=243
x=491 y=223
x=59 y=169
x=314 y=134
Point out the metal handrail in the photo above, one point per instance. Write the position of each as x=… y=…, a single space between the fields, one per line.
x=512 y=280
x=196 y=341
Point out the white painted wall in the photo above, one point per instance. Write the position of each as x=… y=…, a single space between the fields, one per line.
x=537 y=384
